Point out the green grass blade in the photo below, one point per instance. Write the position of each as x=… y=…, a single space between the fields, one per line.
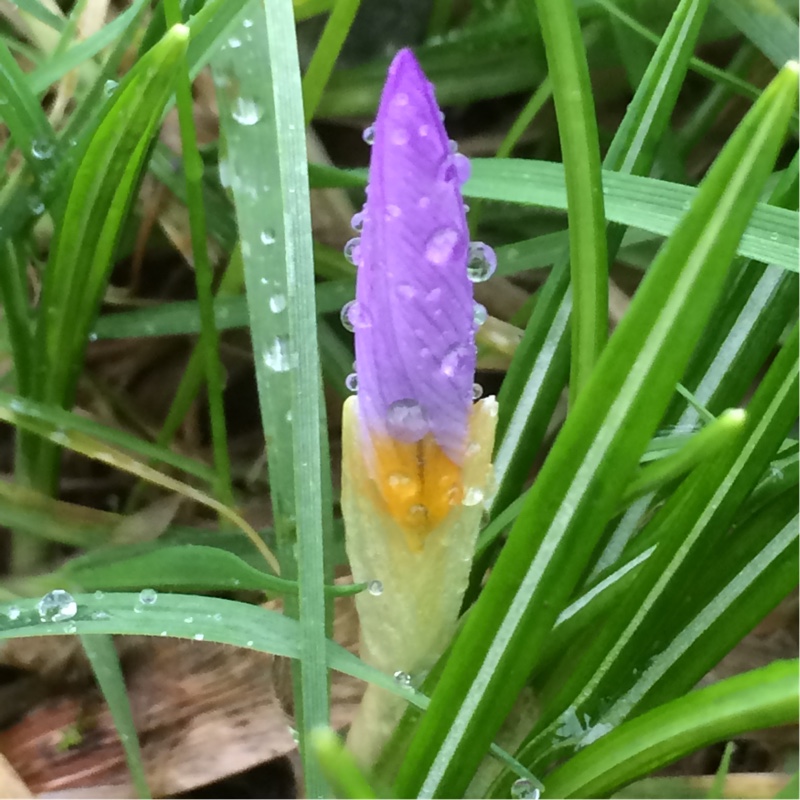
x=766 y=25
x=577 y=130
x=203 y=271
x=99 y=200
x=262 y=117
x=327 y=51
x=758 y=699
x=103 y=657
x=594 y=455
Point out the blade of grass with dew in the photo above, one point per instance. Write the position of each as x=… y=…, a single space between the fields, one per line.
x=100 y=451
x=41 y=12
x=203 y=272
x=619 y=668
x=594 y=455
x=753 y=700
x=193 y=617
x=103 y=657
x=182 y=317
x=16 y=308
x=99 y=200
x=631 y=200
x=580 y=149
x=528 y=396
x=325 y=54
x=260 y=99
x=765 y=23
x=56 y=68
x=19 y=408
x=22 y=113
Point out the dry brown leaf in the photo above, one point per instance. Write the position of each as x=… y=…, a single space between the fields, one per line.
x=203 y=711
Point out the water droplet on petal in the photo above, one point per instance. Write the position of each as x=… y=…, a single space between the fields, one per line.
x=393 y=211
x=481 y=262
x=369 y=134
x=399 y=136
x=57 y=606
x=441 y=245
x=456 y=360
x=463 y=167
x=434 y=295
x=357 y=222
x=424 y=130
x=148 y=597
x=375 y=588
x=277 y=303
x=352 y=250
x=479 y=314
x=523 y=789
x=401 y=99
x=351 y=382
x=406 y=420
x=424 y=201
x=477 y=391
x=246 y=112
x=406 y=291
x=354 y=316
x=472 y=496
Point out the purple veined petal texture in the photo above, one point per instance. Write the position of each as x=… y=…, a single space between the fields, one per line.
x=413 y=316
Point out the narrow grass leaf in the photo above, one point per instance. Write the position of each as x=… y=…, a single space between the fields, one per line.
x=767 y=25
x=262 y=118
x=594 y=455
x=580 y=149
x=758 y=699
x=103 y=657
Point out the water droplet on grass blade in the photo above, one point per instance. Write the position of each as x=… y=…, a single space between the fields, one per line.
x=277 y=303
x=375 y=588
x=523 y=789
x=42 y=149
x=246 y=112
x=148 y=597
x=402 y=678
x=57 y=606
x=12 y=613
x=276 y=357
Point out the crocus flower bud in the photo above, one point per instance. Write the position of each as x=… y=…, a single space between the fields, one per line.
x=416 y=447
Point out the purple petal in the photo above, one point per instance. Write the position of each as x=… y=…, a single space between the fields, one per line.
x=413 y=318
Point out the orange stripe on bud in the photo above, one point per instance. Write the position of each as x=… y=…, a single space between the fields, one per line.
x=418 y=483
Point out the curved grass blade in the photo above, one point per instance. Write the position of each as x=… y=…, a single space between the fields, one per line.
x=100 y=197
x=757 y=699
x=594 y=455
x=767 y=25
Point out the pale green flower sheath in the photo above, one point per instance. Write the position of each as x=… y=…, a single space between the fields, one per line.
x=416 y=447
